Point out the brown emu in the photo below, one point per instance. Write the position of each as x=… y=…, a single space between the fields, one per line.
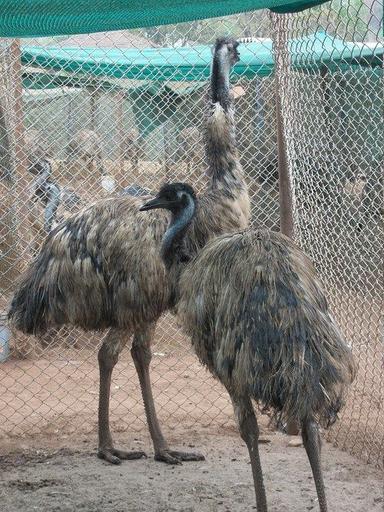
x=259 y=321
x=101 y=269
x=86 y=147
x=133 y=150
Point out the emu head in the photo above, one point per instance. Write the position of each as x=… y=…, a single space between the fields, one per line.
x=174 y=197
x=225 y=52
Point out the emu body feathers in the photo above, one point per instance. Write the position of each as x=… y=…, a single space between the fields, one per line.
x=259 y=320
x=101 y=268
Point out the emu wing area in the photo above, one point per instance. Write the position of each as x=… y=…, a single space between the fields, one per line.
x=100 y=268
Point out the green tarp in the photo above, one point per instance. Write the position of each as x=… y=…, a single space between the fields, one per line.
x=34 y=18
x=190 y=64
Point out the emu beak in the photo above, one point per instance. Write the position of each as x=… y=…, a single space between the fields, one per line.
x=152 y=204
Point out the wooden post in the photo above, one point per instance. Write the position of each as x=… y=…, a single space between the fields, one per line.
x=8 y=236
x=93 y=97
x=167 y=150
x=285 y=192
x=22 y=179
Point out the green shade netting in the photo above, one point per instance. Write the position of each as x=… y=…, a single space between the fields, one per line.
x=35 y=18
x=191 y=64
x=154 y=100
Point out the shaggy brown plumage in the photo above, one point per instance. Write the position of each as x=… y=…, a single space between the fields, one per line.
x=259 y=320
x=102 y=269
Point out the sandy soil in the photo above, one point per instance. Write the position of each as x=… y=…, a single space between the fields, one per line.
x=69 y=481
x=56 y=391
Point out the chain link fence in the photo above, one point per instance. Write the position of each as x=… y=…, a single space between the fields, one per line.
x=93 y=130
x=333 y=125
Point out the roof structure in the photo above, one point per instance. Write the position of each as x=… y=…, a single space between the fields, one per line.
x=63 y=64
x=39 y=18
x=114 y=39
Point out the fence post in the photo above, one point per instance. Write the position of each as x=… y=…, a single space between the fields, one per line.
x=285 y=193
x=281 y=53
x=22 y=181
x=123 y=180
x=14 y=183
x=167 y=149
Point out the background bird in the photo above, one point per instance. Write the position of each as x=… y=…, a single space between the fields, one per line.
x=49 y=203
x=259 y=321
x=101 y=268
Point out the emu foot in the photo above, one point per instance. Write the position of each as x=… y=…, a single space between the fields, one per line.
x=115 y=456
x=175 y=457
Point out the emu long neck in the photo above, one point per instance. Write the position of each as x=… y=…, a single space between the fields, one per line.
x=220 y=88
x=224 y=167
x=172 y=244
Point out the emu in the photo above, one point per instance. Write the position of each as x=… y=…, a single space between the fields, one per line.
x=259 y=321
x=133 y=149
x=49 y=203
x=44 y=191
x=101 y=268
x=36 y=147
x=86 y=146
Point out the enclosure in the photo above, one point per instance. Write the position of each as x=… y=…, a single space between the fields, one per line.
x=123 y=111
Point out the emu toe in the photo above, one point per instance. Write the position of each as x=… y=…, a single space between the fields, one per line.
x=175 y=457
x=115 y=456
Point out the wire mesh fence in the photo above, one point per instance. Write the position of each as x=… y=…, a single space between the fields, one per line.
x=334 y=135
x=88 y=116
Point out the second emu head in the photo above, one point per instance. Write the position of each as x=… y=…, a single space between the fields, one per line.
x=173 y=197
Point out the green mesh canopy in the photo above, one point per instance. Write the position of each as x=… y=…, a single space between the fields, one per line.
x=35 y=18
x=190 y=64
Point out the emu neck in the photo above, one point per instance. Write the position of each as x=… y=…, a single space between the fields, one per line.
x=224 y=167
x=172 y=250
x=220 y=89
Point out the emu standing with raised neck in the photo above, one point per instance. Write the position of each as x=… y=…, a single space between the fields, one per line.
x=101 y=268
x=259 y=321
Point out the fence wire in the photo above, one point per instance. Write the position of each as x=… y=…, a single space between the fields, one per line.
x=334 y=134
x=92 y=137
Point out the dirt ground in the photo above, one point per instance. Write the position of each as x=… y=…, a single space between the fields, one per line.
x=48 y=443
x=75 y=480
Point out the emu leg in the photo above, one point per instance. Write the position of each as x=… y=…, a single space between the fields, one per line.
x=312 y=444
x=249 y=431
x=108 y=356
x=141 y=354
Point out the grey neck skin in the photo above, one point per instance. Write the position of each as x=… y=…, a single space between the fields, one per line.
x=172 y=244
